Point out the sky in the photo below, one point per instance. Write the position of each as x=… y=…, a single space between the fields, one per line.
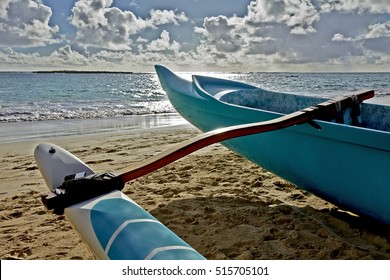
x=195 y=35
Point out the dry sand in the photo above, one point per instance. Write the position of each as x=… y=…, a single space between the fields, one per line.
x=218 y=202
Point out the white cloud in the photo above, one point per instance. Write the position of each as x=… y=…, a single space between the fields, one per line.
x=26 y=23
x=375 y=31
x=378 y=30
x=163 y=43
x=296 y=14
x=270 y=35
x=338 y=37
x=65 y=55
x=267 y=24
x=67 y=58
x=360 y=6
x=142 y=40
x=274 y=35
x=62 y=57
x=160 y=17
x=222 y=32
x=9 y=57
x=101 y=25
x=268 y=27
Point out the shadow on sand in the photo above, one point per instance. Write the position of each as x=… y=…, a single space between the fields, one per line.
x=234 y=228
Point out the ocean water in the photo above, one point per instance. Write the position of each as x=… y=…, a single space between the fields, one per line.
x=53 y=104
x=51 y=96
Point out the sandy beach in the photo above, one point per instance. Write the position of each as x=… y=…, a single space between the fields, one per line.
x=218 y=202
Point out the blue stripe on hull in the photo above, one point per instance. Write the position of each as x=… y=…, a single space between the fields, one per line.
x=118 y=221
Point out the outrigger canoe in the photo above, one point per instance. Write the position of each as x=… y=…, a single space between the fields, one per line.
x=337 y=149
x=344 y=159
x=114 y=226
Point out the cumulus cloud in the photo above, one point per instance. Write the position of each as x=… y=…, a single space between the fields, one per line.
x=9 y=57
x=62 y=57
x=299 y=15
x=338 y=37
x=160 y=17
x=261 y=31
x=288 y=33
x=378 y=30
x=222 y=32
x=375 y=31
x=66 y=55
x=273 y=35
x=26 y=23
x=360 y=6
x=100 y=24
x=264 y=30
x=163 y=43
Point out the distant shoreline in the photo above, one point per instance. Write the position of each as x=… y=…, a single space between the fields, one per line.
x=81 y=72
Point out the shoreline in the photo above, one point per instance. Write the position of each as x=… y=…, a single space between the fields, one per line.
x=83 y=72
x=11 y=132
x=220 y=203
x=23 y=150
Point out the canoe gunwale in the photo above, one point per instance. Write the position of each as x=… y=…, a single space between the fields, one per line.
x=361 y=136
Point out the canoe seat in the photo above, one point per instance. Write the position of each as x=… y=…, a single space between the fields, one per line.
x=372 y=116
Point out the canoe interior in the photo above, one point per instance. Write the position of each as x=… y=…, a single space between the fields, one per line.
x=372 y=116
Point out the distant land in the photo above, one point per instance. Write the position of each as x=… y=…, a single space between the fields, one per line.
x=81 y=72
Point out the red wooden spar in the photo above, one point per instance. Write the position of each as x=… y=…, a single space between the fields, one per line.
x=73 y=190
x=323 y=111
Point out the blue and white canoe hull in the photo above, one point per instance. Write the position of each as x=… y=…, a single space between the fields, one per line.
x=112 y=225
x=344 y=164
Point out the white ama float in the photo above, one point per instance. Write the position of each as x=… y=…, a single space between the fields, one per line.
x=112 y=225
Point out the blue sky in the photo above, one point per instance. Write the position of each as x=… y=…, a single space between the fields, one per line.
x=195 y=35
